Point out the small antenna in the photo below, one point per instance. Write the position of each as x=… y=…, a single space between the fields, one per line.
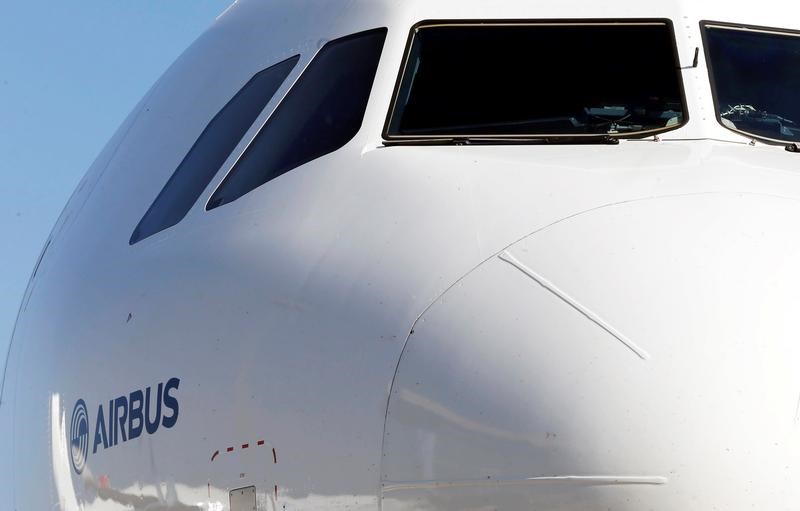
x=695 y=60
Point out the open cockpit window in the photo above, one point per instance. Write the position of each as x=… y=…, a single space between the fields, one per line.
x=755 y=74
x=517 y=80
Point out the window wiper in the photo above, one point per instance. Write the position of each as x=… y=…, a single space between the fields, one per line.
x=533 y=140
x=744 y=114
x=623 y=120
x=749 y=113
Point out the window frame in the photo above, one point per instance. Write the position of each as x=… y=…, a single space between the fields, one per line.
x=303 y=68
x=275 y=98
x=710 y=67
x=516 y=138
x=299 y=70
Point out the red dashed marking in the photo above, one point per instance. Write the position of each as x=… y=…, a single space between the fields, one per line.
x=246 y=446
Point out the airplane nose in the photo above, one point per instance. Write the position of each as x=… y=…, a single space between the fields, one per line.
x=642 y=355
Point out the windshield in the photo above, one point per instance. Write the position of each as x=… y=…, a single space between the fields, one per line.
x=507 y=80
x=756 y=78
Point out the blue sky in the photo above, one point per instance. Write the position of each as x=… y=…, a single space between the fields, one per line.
x=69 y=74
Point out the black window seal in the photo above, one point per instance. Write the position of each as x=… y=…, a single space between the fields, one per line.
x=398 y=139
x=295 y=81
x=709 y=65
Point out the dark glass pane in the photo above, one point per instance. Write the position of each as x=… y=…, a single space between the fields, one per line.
x=211 y=149
x=756 y=77
x=534 y=79
x=321 y=113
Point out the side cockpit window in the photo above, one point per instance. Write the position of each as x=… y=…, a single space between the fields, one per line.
x=321 y=113
x=755 y=76
x=500 y=81
x=211 y=149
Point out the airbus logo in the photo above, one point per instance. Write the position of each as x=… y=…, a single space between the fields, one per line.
x=79 y=436
x=125 y=418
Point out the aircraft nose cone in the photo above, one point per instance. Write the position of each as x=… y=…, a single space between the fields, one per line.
x=638 y=356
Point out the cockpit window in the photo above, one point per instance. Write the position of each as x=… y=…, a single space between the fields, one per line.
x=517 y=80
x=320 y=114
x=755 y=73
x=211 y=149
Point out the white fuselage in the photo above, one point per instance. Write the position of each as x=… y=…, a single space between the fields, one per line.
x=443 y=328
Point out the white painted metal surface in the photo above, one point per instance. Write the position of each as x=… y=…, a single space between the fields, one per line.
x=572 y=327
